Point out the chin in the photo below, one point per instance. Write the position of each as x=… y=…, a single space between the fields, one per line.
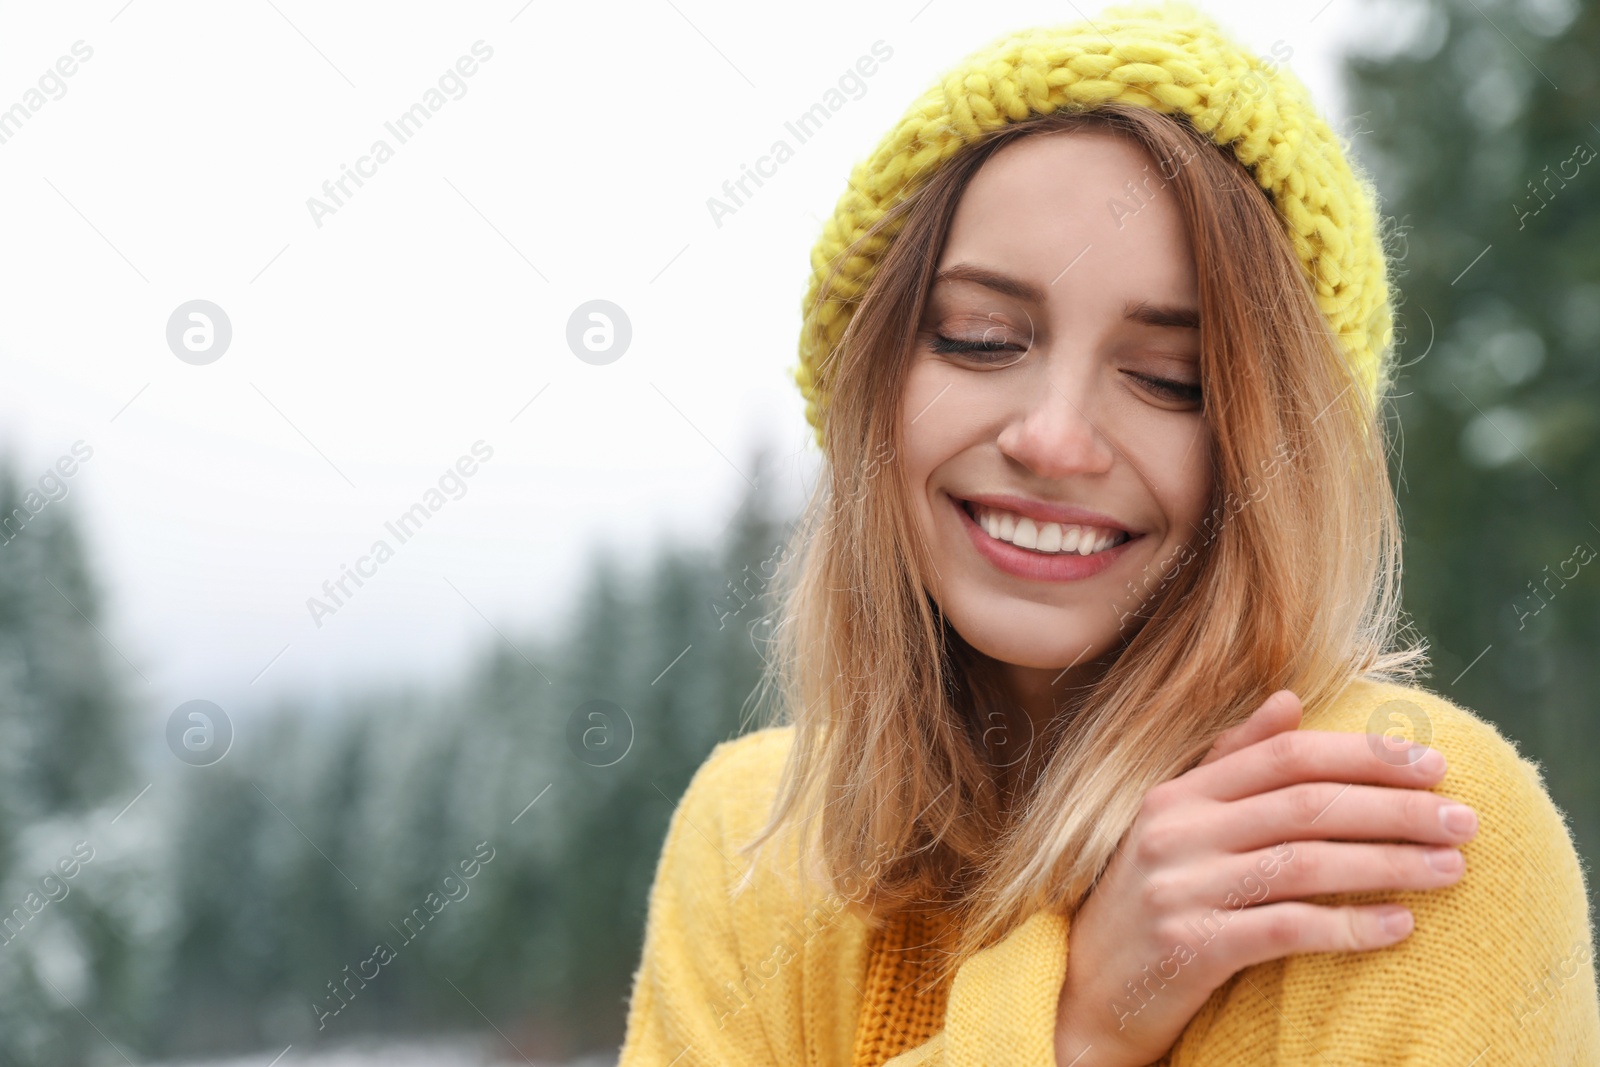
x=1037 y=637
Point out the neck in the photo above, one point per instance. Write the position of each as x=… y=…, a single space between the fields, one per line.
x=1046 y=693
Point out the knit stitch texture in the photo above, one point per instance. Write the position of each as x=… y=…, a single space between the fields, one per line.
x=1498 y=970
x=1167 y=56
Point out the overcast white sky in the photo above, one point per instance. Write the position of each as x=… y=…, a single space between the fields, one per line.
x=369 y=353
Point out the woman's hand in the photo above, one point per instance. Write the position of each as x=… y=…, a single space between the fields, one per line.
x=1208 y=878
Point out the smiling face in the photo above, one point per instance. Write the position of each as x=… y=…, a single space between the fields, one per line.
x=1051 y=416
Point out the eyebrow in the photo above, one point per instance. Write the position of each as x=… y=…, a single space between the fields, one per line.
x=1142 y=311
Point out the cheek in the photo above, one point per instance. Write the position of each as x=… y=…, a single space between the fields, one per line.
x=944 y=409
x=925 y=427
x=1180 y=457
x=925 y=389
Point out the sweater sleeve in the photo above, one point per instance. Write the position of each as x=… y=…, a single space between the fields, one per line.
x=1002 y=1003
x=685 y=1009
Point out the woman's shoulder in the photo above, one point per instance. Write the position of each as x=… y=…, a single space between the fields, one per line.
x=1523 y=861
x=749 y=762
x=1385 y=704
x=1511 y=938
x=737 y=782
x=1483 y=763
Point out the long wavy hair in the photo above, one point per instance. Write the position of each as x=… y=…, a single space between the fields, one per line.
x=896 y=793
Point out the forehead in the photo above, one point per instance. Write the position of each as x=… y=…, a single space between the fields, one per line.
x=1082 y=212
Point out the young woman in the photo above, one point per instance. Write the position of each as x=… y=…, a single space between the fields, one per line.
x=1098 y=744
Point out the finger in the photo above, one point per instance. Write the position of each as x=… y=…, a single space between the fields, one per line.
x=1311 y=756
x=1292 y=870
x=1279 y=712
x=1271 y=931
x=1331 y=811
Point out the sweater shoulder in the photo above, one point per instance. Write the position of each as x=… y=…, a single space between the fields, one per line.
x=738 y=781
x=1416 y=714
x=749 y=762
x=1510 y=938
x=1484 y=768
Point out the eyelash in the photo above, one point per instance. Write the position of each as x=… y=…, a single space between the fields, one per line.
x=1172 y=390
x=951 y=346
x=1181 y=391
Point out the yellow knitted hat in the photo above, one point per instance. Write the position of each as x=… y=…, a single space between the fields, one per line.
x=1167 y=56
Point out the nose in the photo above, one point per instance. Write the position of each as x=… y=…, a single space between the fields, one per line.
x=1055 y=432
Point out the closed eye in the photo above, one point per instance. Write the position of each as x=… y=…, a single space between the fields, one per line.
x=1168 y=388
x=978 y=351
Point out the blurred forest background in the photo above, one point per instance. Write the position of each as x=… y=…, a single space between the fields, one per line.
x=217 y=914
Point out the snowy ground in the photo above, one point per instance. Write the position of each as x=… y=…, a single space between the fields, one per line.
x=475 y=1052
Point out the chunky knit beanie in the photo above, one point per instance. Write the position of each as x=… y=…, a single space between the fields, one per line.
x=1167 y=56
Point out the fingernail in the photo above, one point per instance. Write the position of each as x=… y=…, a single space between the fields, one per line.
x=1397 y=923
x=1444 y=860
x=1427 y=760
x=1458 y=818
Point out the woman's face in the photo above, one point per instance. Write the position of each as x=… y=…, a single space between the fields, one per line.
x=1057 y=473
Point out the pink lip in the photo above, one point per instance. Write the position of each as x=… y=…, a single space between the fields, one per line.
x=1036 y=566
x=1039 y=511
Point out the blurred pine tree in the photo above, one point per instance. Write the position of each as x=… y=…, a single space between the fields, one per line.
x=63 y=754
x=399 y=787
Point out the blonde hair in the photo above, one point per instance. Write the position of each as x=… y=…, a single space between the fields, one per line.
x=891 y=784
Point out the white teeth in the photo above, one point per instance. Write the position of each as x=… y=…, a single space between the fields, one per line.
x=1045 y=537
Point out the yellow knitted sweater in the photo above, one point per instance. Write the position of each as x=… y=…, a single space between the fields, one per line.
x=1498 y=970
